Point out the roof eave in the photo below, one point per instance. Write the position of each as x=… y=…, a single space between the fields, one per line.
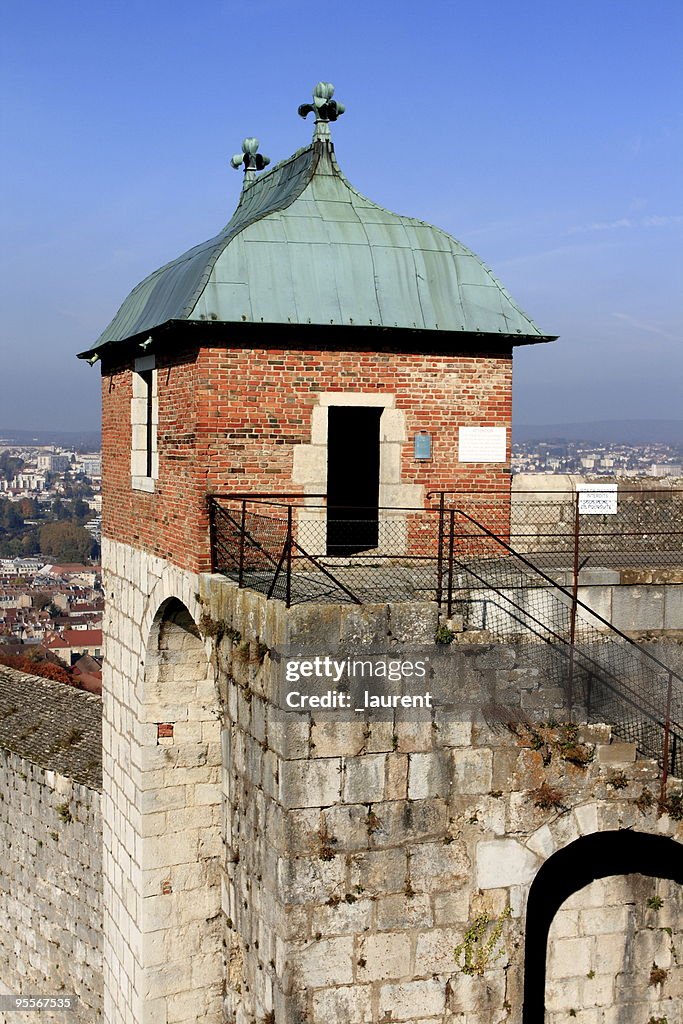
x=217 y=329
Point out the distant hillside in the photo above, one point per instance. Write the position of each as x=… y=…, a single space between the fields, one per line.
x=86 y=440
x=604 y=431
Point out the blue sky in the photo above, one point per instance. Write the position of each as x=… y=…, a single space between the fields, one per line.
x=545 y=136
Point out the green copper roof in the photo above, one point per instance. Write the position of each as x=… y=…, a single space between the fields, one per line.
x=304 y=247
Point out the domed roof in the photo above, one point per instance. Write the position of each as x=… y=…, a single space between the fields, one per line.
x=304 y=247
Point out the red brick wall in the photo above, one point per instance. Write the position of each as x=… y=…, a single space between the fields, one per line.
x=171 y=522
x=229 y=418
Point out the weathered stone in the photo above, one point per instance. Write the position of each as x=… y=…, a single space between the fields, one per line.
x=342 y=918
x=428 y=776
x=412 y=820
x=349 y=825
x=413 y=623
x=396 y=777
x=412 y=1000
x=310 y=879
x=364 y=778
x=325 y=962
x=314 y=783
x=451 y=907
x=379 y=871
x=434 y=953
x=343 y=1004
x=435 y=867
x=452 y=729
x=616 y=753
x=384 y=956
x=570 y=958
x=402 y=911
x=471 y=770
x=411 y=736
x=331 y=738
x=364 y=624
x=380 y=736
x=364 y=901
x=502 y=862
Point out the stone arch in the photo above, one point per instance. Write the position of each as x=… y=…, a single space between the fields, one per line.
x=176 y=666
x=168 y=583
x=570 y=869
x=180 y=838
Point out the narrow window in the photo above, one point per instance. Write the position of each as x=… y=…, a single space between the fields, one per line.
x=143 y=419
x=146 y=376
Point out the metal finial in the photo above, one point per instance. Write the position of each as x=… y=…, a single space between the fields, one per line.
x=324 y=107
x=250 y=159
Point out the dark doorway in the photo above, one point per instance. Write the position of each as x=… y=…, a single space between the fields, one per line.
x=619 y=852
x=352 y=479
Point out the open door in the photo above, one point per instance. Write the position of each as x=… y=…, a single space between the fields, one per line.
x=352 y=479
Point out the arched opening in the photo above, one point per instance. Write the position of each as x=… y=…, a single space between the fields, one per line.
x=598 y=856
x=180 y=824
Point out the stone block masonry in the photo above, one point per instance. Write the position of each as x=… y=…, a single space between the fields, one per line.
x=292 y=869
x=614 y=952
x=51 y=841
x=163 y=958
x=362 y=858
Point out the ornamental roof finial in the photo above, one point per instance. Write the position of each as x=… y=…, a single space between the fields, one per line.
x=250 y=159
x=325 y=109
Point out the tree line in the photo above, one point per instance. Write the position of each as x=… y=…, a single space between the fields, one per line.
x=55 y=529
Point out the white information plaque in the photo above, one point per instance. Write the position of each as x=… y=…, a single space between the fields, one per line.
x=481 y=444
x=597 y=499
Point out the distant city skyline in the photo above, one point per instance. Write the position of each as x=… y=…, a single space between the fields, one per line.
x=546 y=138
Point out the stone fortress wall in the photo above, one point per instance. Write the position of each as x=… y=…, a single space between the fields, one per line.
x=272 y=869
x=351 y=858
x=615 y=950
x=51 y=842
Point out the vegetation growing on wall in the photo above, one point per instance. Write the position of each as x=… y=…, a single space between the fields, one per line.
x=482 y=945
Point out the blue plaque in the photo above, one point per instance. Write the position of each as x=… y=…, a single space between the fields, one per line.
x=422 y=445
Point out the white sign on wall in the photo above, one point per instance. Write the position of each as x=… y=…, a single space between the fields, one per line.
x=482 y=444
x=597 y=499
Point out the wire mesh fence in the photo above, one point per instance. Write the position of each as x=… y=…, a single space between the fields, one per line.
x=617 y=528
x=602 y=671
x=493 y=582
x=396 y=553
x=603 y=527
x=284 y=550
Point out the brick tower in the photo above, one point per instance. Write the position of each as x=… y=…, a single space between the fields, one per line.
x=315 y=323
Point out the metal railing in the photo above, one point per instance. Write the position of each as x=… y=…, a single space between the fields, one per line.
x=602 y=670
x=265 y=540
x=279 y=546
x=282 y=549
x=643 y=530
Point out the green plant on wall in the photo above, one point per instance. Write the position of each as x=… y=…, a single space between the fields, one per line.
x=444 y=635
x=64 y=812
x=482 y=944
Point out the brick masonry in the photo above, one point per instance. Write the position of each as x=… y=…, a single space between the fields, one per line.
x=231 y=419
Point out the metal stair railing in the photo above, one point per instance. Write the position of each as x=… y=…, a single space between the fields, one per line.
x=464 y=563
x=258 y=551
x=615 y=678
